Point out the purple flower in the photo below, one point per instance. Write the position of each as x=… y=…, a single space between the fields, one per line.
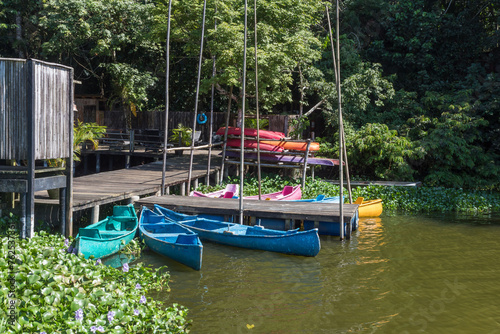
x=79 y=315
x=66 y=242
x=95 y=329
x=136 y=312
x=143 y=300
x=125 y=267
x=98 y=262
x=70 y=249
x=111 y=316
x=138 y=286
x=75 y=251
x=43 y=332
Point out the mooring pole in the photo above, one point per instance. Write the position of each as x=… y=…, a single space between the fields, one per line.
x=242 y=144
x=211 y=125
x=197 y=97
x=167 y=77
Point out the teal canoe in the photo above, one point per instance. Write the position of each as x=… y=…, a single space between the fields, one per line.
x=109 y=235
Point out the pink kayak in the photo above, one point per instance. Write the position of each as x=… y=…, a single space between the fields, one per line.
x=230 y=191
x=235 y=142
x=287 y=194
x=264 y=134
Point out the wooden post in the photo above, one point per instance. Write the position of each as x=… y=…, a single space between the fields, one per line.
x=127 y=161
x=95 y=214
x=183 y=189
x=23 y=215
x=132 y=139
x=304 y=171
x=62 y=211
x=85 y=165
x=98 y=163
x=195 y=183
x=30 y=109
x=68 y=193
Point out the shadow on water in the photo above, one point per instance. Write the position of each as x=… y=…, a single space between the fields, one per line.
x=425 y=274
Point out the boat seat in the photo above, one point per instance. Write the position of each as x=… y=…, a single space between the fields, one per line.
x=111 y=233
x=228 y=194
x=187 y=239
x=287 y=190
x=90 y=233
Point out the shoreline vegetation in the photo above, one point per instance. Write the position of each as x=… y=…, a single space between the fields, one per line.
x=396 y=200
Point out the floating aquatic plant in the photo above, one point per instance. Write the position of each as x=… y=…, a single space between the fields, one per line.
x=57 y=292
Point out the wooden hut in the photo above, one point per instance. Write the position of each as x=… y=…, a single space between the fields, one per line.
x=36 y=124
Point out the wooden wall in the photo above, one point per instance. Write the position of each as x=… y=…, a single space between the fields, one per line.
x=51 y=104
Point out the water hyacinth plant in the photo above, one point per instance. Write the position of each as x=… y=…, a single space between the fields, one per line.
x=58 y=292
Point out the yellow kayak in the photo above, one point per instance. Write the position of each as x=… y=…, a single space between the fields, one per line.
x=372 y=208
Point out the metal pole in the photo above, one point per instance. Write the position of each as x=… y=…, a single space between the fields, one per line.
x=257 y=100
x=336 y=66
x=242 y=147
x=211 y=126
x=167 y=76
x=197 y=97
x=341 y=131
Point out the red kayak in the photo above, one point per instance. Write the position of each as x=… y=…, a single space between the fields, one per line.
x=264 y=134
x=292 y=145
x=235 y=142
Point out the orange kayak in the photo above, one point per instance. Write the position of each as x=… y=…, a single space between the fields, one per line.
x=293 y=145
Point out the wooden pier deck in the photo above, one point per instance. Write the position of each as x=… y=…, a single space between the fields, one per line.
x=90 y=191
x=253 y=208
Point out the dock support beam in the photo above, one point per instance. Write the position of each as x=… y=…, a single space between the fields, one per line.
x=95 y=214
x=98 y=163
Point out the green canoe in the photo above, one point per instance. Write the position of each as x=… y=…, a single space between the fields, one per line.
x=109 y=235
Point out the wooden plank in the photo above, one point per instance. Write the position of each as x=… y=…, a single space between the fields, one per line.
x=253 y=208
x=113 y=186
x=14 y=185
x=51 y=182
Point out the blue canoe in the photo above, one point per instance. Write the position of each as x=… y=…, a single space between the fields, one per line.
x=170 y=239
x=293 y=242
x=329 y=228
x=324 y=228
x=320 y=199
x=109 y=235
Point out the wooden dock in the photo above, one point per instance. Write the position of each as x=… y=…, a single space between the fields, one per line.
x=285 y=210
x=91 y=191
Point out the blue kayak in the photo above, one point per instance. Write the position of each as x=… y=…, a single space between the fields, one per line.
x=293 y=242
x=170 y=239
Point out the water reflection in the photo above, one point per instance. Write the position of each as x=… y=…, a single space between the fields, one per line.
x=401 y=274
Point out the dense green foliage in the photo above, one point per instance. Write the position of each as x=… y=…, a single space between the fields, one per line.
x=420 y=78
x=408 y=200
x=51 y=290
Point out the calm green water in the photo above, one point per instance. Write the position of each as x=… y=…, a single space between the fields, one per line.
x=397 y=275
